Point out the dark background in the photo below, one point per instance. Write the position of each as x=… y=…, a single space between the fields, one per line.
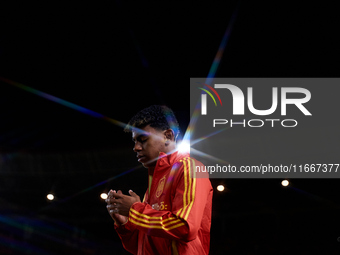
x=116 y=58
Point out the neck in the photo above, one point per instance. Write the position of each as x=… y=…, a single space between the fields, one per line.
x=170 y=148
x=151 y=170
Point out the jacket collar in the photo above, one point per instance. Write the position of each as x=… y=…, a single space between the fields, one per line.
x=166 y=160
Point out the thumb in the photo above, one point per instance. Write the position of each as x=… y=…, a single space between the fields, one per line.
x=133 y=194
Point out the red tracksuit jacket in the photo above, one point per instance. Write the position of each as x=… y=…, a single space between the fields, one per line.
x=175 y=216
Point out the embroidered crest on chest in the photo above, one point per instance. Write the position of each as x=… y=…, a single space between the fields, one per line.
x=160 y=187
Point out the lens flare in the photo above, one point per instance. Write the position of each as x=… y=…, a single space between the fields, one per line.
x=103 y=196
x=211 y=75
x=184 y=146
x=50 y=197
x=220 y=188
x=285 y=183
x=221 y=48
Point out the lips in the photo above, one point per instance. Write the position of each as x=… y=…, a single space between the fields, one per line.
x=141 y=158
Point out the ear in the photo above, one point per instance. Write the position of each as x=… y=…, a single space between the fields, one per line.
x=169 y=134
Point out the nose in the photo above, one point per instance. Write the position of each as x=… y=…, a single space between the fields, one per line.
x=137 y=147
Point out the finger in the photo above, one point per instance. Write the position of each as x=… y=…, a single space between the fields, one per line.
x=109 y=194
x=133 y=194
x=108 y=200
x=115 y=195
x=111 y=200
x=120 y=192
x=112 y=209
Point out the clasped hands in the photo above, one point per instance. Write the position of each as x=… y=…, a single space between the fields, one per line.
x=118 y=205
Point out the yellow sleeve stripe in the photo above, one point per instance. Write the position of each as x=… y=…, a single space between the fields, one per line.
x=188 y=201
x=179 y=213
x=185 y=184
x=155 y=226
x=189 y=188
x=193 y=190
x=145 y=216
x=190 y=184
x=170 y=220
x=153 y=220
x=150 y=217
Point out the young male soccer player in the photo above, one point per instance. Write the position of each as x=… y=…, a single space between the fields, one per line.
x=175 y=214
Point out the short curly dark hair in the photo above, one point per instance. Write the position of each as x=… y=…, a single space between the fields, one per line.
x=159 y=117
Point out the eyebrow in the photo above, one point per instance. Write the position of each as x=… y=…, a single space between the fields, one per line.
x=139 y=137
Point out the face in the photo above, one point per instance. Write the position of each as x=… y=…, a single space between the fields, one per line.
x=149 y=142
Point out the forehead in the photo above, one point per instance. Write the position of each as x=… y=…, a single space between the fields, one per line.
x=139 y=132
x=146 y=131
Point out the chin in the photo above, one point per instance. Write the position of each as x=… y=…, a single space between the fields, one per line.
x=150 y=164
x=145 y=165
